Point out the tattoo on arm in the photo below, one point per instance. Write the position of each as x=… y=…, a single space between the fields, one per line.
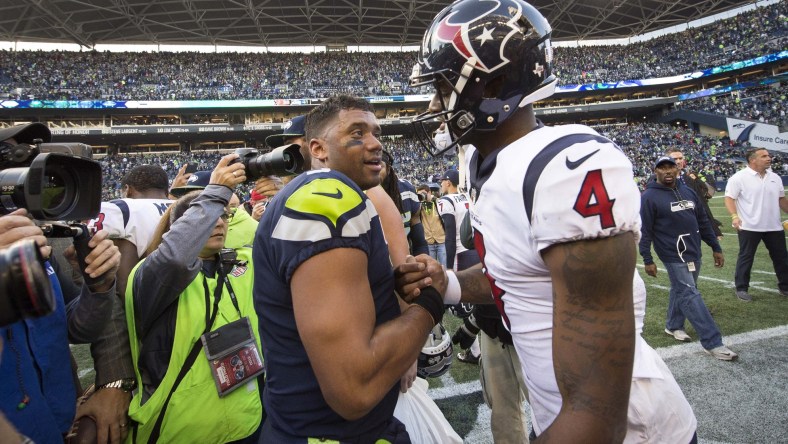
x=475 y=286
x=594 y=333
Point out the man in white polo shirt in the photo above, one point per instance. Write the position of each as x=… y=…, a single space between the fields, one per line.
x=754 y=197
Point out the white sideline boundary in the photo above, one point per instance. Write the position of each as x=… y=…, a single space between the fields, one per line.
x=727 y=283
x=451 y=389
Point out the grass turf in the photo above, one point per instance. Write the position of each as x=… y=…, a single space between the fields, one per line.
x=768 y=309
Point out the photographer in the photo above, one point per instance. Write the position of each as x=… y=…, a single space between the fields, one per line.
x=187 y=293
x=433 y=225
x=37 y=392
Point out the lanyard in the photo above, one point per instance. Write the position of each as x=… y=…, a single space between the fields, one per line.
x=221 y=281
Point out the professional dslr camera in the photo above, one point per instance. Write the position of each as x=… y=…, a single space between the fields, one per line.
x=283 y=161
x=53 y=181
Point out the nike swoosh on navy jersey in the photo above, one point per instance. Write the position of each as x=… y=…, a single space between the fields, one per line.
x=337 y=195
x=576 y=163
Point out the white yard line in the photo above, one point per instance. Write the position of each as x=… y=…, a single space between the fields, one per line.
x=727 y=283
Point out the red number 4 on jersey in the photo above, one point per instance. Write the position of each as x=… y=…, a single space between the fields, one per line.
x=593 y=200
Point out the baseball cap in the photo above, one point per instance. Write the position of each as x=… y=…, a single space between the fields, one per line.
x=664 y=159
x=255 y=197
x=294 y=127
x=197 y=181
x=452 y=175
x=27 y=133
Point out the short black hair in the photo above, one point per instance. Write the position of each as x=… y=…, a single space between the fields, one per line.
x=321 y=115
x=147 y=177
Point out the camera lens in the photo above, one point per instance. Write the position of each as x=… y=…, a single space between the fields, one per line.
x=54 y=187
x=53 y=192
x=25 y=290
x=59 y=189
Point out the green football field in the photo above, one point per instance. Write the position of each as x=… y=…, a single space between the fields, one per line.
x=460 y=398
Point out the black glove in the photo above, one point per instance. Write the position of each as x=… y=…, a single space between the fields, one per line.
x=466 y=334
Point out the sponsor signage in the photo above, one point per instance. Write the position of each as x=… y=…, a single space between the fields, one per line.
x=758 y=134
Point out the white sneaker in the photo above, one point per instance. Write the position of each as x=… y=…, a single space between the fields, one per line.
x=723 y=353
x=680 y=335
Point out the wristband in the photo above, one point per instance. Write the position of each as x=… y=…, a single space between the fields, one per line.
x=453 y=290
x=734 y=216
x=431 y=300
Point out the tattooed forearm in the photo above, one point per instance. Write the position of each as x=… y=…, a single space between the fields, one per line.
x=475 y=286
x=594 y=327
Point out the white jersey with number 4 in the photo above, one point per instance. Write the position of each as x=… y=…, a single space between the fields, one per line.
x=556 y=185
x=131 y=219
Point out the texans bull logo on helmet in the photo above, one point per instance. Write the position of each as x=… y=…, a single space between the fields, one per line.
x=473 y=37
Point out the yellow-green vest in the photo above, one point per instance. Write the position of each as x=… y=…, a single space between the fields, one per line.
x=196 y=413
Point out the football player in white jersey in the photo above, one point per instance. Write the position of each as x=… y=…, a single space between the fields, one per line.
x=556 y=217
x=131 y=220
x=452 y=207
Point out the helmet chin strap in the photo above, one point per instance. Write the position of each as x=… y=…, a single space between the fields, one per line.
x=465 y=74
x=543 y=92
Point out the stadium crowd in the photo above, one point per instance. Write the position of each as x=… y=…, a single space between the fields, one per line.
x=717 y=158
x=92 y=75
x=764 y=104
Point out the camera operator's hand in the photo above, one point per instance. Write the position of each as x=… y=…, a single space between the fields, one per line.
x=17 y=226
x=268 y=185
x=227 y=174
x=102 y=263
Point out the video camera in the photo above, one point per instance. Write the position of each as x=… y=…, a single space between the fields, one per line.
x=53 y=181
x=283 y=161
x=25 y=291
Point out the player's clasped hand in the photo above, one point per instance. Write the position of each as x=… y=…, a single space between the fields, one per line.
x=417 y=273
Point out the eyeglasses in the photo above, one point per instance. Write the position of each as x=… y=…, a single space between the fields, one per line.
x=227 y=216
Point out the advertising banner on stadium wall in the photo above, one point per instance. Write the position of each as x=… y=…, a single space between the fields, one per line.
x=758 y=134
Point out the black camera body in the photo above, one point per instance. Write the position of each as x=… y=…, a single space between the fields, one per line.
x=283 y=161
x=53 y=181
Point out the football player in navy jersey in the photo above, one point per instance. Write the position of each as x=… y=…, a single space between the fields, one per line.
x=334 y=336
x=403 y=194
x=555 y=213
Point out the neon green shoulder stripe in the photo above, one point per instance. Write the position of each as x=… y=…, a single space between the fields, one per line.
x=325 y=197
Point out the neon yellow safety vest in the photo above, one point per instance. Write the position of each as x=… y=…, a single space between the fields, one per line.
x=196 y=413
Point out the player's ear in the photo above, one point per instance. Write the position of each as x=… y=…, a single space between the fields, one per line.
x=318 y=150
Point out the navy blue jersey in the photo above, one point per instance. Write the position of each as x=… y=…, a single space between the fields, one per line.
x=410 y=202
x=316 y=212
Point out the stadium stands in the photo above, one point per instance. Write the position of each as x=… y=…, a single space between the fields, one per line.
x=91 y=75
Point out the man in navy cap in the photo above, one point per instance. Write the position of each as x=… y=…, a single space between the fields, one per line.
x=292 y=132
x=673 y=218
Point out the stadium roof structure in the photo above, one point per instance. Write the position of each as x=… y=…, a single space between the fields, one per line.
x=313 y=22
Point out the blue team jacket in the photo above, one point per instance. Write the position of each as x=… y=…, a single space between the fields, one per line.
x=675 y=221
x=36 y=350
